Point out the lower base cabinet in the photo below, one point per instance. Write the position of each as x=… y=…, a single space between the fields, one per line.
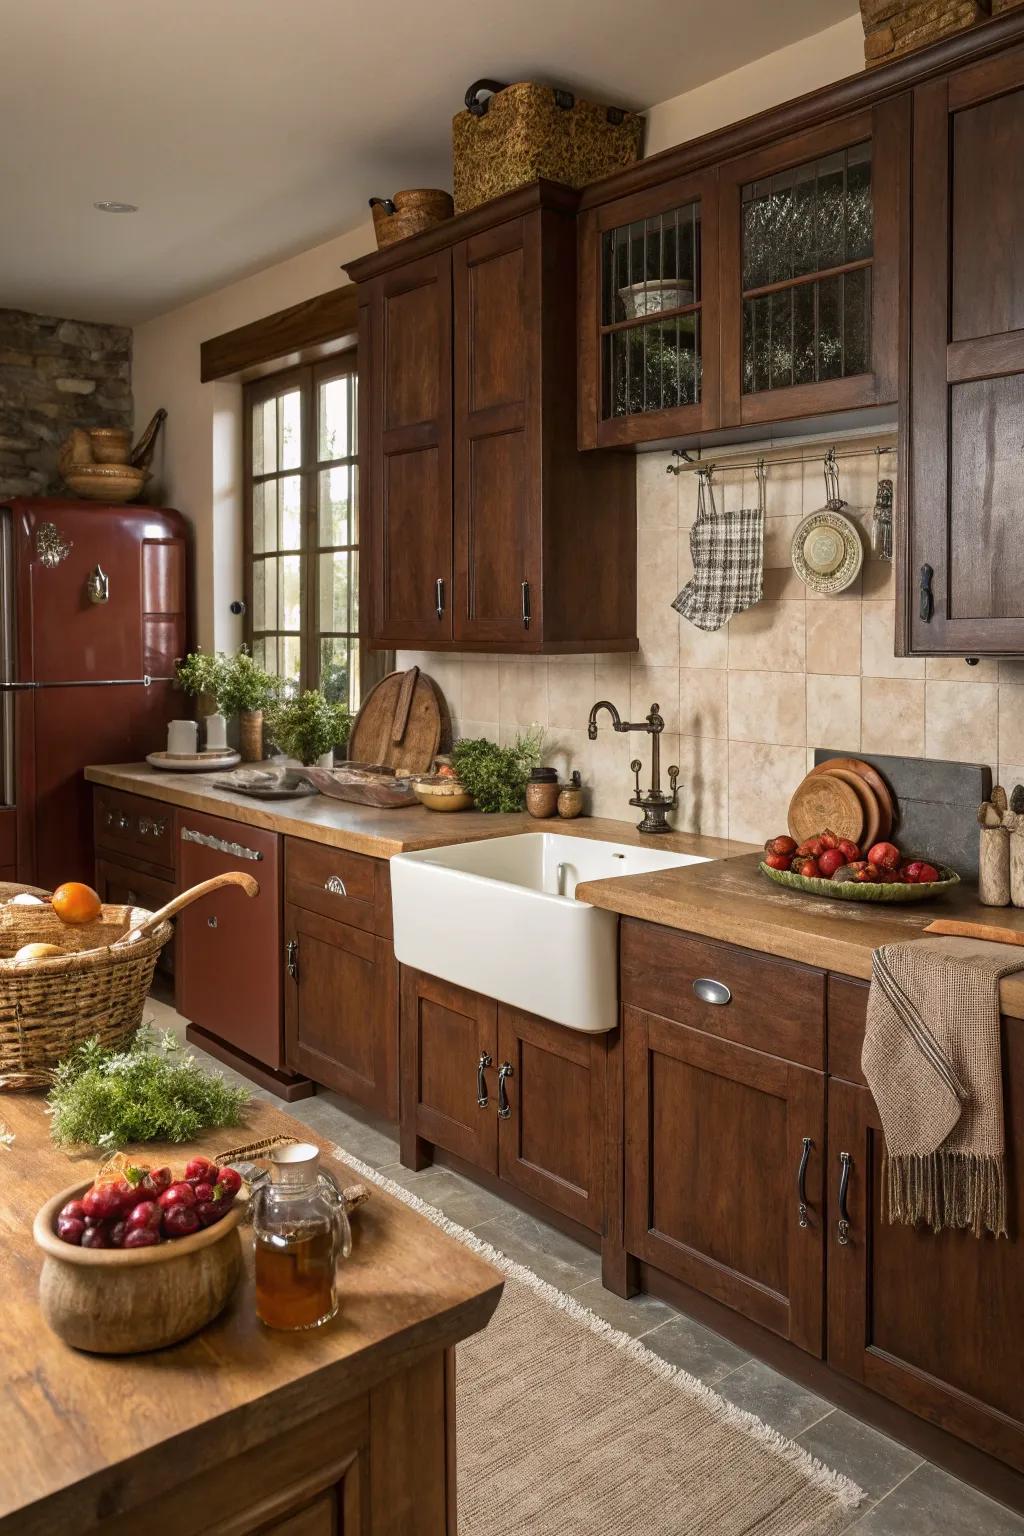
x=724 y=1155
x=120 y=884
x=341 y=1008
x=512 y=1094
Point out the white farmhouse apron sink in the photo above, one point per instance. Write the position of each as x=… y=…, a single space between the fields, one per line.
x=500 y=918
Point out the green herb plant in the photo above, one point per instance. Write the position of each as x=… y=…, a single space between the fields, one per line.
x=310 y=725
x=236 y=684
x=152 y=1091
x=496 y=776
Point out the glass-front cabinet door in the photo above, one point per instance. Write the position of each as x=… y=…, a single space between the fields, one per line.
x=649 y=315
x=811 y=252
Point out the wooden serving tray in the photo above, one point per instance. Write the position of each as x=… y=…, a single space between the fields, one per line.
x=363 y=784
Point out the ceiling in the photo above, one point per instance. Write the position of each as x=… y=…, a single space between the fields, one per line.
x=248 y=130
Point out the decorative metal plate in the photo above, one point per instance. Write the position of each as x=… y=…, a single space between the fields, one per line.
x=827 y=552
x=51 y=548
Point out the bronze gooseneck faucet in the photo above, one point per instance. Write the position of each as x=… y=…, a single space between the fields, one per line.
x=655 y=804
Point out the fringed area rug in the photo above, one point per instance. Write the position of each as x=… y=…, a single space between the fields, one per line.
x=567 y=1427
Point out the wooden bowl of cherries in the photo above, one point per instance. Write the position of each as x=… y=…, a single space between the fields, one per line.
x=827 y=865
x=138 y=1258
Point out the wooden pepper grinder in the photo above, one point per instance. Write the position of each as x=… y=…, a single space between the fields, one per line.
x=994 y=854
x=1014 y=823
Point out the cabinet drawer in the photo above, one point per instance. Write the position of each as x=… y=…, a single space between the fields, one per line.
x=348 y=887
x=770 y=1005
x=134 y=825
x=847 y=1016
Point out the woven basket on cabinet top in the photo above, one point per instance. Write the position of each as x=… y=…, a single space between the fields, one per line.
x=95 y=988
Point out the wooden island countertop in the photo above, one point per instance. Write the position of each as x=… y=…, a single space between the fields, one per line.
x=731 y=900
x=239 y=1428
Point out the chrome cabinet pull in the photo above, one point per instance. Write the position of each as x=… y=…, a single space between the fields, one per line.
x=801 y=1181
x=335 y=885
x=526 y=605
x=504 y=1109
x=843 y=1226
x=151 y=827
x=220 y=845
x=291 y=958
x=711 y=991
x=439 y=596
x=481 y=1080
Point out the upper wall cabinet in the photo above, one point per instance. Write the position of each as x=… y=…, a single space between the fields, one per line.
x=963 y=556
x=762 y=290
x=485 y=528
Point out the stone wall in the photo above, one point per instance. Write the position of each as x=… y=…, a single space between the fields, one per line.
x=54 y=375
x=894 y=27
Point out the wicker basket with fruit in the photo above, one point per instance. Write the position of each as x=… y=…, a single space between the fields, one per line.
x=827 y=865
x=73 y=969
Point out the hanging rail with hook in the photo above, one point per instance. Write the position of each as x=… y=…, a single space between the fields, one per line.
x=760 y=462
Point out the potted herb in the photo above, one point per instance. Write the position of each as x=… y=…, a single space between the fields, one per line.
x=310 y=726
x=496 y=776
x=238 y=686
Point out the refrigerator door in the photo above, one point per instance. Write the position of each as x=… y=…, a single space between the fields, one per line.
x=6 y=659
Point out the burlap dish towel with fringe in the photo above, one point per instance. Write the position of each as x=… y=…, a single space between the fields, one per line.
x=933 y=1062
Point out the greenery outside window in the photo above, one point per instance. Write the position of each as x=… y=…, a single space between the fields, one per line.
x=302 y=529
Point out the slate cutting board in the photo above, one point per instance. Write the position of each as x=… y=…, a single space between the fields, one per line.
x=936 y=805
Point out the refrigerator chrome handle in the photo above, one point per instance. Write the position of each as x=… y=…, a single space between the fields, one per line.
x=86 y=682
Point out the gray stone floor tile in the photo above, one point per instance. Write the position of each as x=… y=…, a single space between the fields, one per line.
x=689 y=1346
x=460 y=1199
x=870 y=1458
x=931 y=1503
x=637 y=1316
x=783 y=1404
x=556 y=1258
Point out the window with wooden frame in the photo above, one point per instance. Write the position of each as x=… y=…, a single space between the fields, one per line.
x=302 y=529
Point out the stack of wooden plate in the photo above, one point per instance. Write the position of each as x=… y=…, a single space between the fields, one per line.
x=847 y=796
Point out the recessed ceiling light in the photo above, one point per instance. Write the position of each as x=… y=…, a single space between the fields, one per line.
x=116 y=207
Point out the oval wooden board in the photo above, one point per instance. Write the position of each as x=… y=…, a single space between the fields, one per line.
x=883 y=794
x=823 y=801
x=868 y=800
x=403 y=723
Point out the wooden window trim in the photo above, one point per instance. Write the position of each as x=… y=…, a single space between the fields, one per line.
x=303 y=333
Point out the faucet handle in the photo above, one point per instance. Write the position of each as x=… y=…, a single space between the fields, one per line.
x=673 y=779
x=634 y=768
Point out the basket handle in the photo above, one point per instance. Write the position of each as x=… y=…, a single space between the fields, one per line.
x=386 y=203
x=231 y=877
x=473 y=102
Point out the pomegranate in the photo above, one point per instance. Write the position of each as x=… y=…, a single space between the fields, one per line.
x=176 y=1194
x=869 y=875
x=918 y=872
x=884 y=856
x=780 y=845
x=810 y=848
x=778 y=860
x=829 y=839
x=850 y=851
x=180 y=1220
x=809 y=869
x=829 y=861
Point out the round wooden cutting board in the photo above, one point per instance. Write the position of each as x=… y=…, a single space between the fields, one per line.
x=868 y=800
x=883 y=794
x=403 y=723
x=825 y=801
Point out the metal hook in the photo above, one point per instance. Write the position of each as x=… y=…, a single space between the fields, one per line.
x=833 y=499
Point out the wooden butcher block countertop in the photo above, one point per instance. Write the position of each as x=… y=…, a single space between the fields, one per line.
x=378 y=833
x=89 y=1436
x=732 y=900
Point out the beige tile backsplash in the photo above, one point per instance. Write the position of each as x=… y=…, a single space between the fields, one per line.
x=745 y=707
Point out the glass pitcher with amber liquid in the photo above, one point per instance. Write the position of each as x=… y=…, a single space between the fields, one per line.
x=302 y=1232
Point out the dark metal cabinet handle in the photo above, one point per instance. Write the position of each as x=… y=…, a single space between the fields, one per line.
x=711 y=991
x=504 y=1071
x=291 y=955
x=439 y=596
x=843 y=1225
x=481 y=1080
x=526 y=605
x=927 y=600
x=801 y=1181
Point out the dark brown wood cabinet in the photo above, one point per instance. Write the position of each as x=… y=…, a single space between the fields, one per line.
x=724 y=1158
x=961 y=583
x=477 y=507
x=512 y=1094
x=136 y=856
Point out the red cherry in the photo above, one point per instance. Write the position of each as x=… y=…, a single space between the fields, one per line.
x=95 y=1237
x=142 y=1237
x=177 y=1194
x=203 y=1191
x=180 y=1221
x=101 y=1201
x=74 y=1208
x=210 y=1211
x=117 y=1233
x=154 y=1182
x=146 y=1214
x=71 y=1229
x=201 y=1169
x=229 y=1179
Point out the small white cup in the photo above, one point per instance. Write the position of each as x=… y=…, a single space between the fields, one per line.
x=216 y=733
x=182 y=738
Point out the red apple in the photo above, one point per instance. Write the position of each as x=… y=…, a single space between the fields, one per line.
x=780 y=845
x=884 y=856
x=809 y=868
x=850 y=851
x=829 y=861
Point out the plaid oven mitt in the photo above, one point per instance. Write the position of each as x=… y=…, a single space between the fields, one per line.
x=728 y=560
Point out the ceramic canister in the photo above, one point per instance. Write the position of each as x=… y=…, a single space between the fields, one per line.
x=182 y=738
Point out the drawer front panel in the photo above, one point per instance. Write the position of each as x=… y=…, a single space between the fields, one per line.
x=754 y=1000
x=347 y=887
x=847 y=1016
x=135 y=826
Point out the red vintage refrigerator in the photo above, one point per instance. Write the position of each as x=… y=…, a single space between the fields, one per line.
x=95 y=605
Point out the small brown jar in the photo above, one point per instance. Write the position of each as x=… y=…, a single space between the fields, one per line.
x=570 y=798
x=542 y=792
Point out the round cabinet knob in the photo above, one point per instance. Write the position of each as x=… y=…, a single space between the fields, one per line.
x=710 y=991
